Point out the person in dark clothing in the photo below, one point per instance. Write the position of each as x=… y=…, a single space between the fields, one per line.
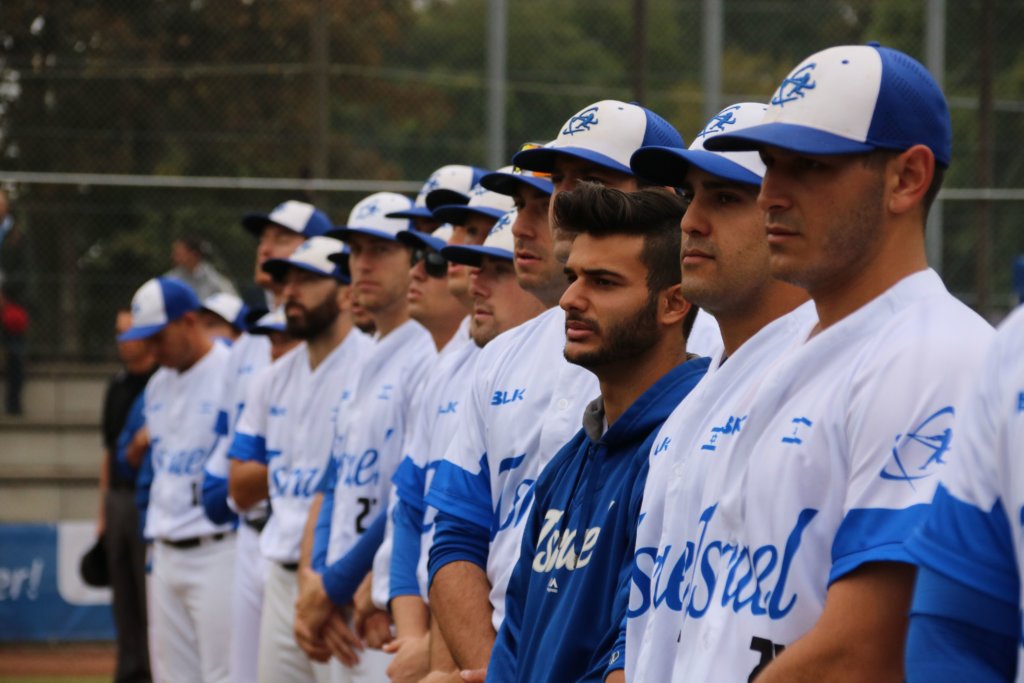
x=118 y=516
x=13 y=326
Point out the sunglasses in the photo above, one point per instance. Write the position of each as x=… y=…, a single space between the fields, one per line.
x=434 y=264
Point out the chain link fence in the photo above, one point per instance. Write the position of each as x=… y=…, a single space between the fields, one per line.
x=124 y=125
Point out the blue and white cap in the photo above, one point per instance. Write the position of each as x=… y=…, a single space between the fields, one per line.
x=499 y=244
x=852 y=99
x=481 y=201
x=371 y=217
x=300 y=217
x=436 y=240
x=505 y=182
x=227 y=306
x=313 y=256
x=158 y=302
x=605 y=133
x=452 y=185
x=667 y=165
x=272 y=321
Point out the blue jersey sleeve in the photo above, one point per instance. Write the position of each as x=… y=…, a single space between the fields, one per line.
x=215 y=500
x=959 y=634
x=342 y=578
x=462 y=494
x=322 y=530
x=135 y=421
x=248 y=447
x=457 y=540
x=405 y=554
x=410 y=483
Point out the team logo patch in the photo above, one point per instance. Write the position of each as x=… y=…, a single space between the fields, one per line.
x=795 y=87
x=920 y=448
x=798 y=424
x=370 y=209
x=720 y=121
x=733 y=425
x=581 y=122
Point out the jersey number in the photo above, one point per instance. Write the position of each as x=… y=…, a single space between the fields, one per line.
x=367 y=503
x=768 y=651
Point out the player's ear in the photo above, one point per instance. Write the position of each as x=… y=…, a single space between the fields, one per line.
x=344 y=298
x=672 y=306
x=908 y=177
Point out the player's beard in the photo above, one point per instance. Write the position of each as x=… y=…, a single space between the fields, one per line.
x=314 y=321
x=623 y=340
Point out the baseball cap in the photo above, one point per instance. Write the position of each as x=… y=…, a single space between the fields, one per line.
x=667 y=165
x=499 y=244
x=272 y=321
x=453 y=184
x=481 y=201
x=436 y=240
x=605 y=133
x=852 y=99
x=156 y=303
x=313 y=255
x=299 y=217
x=227 y=306
x=370 y=217
x=505 y=182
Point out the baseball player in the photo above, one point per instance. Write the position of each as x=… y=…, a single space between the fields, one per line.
x=725 y=271
x=965 y=619
x=451 y=184
x=626 y=320
x=288 y=426
x=193 y=557
x=222 y=315
x=526 y=400
x=278 y=234
x=367 y=446
x=808 y=576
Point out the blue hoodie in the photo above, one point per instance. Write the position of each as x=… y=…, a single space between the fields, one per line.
x=570 y=589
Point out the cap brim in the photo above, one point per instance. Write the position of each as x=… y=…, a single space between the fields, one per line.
x=277 y=267
x=415 y=238
x=456 y=213
x=343 y=232
x=473 y=255
x=253 y=315
x=416 y=212
x=443 y=196
x=267 y=329
x=542 y=159
x=788 y=136
x=137 y=333
x=668 y=165
x=506 y=183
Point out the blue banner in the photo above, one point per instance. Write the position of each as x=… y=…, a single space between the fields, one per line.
x=42 y=596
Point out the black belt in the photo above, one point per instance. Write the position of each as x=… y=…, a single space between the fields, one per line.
x=195 y=541
x=256 y=524
x=289 y=566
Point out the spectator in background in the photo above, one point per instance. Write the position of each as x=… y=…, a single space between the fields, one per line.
x=118 y=517
x=188 y=254
x=13 y=326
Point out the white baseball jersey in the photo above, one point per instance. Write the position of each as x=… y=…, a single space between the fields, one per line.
x=368 y=444
x=830 y=465
x=524 y=403
x=433 y=423
x=181 y=413
x=290 y=427
x=705 y=338
x=249 y=354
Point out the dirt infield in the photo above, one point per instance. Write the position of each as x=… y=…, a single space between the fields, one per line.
x=64 y=659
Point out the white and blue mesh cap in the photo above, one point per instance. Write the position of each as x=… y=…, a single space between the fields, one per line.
x=273 y=321
x=481 y=201
x=667 y=165
x=370 y=217
x=314 y=256
x=499 y=244
x=850 y=100
x=450 y=184
x=300 y=217
x=453 y=181
x=156 y=303
x=605 y=133
x=436 y=240
x=227 y=306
